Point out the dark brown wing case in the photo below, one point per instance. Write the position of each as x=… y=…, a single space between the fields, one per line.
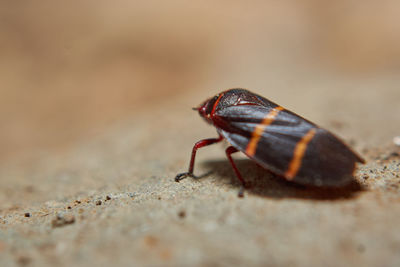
x=282 y=141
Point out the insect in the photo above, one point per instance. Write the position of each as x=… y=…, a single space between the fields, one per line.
x=277 y=139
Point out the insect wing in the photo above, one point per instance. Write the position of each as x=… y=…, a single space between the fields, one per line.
x=273 y=141
x=287 y=144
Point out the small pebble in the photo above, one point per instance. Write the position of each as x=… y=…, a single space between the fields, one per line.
x=361 y=248
x=396 y=140
x=98 y=202
x=108 y=198
x=62 y=220
x=27 y=214
x=182 y=214
x=24 y=260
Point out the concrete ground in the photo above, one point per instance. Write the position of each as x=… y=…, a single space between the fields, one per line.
x=91 y=182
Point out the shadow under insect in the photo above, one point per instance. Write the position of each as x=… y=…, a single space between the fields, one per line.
x=263 y=183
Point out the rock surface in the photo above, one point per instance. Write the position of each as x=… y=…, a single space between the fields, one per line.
x=112 y=200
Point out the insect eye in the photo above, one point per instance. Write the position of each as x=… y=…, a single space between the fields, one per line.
x=210 y=104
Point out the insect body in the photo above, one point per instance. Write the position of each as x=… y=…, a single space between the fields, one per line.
x=277 y=139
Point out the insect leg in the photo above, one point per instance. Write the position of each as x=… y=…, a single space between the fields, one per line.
x=230 y=150
x=199 y=144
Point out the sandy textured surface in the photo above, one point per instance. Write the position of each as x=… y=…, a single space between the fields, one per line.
x=112 y=200
x=96 y=123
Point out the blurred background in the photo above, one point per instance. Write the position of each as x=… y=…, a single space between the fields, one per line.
x=69 y=69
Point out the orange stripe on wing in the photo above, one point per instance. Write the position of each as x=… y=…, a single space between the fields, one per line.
x=298 y=154
x=257 y=133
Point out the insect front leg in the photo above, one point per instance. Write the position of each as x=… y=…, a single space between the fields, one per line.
x=199 y=144
x=229 y=151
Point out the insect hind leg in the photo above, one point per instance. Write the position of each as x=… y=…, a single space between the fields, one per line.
x=229 y=151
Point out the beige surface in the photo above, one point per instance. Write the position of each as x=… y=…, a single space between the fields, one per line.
x=94 y=135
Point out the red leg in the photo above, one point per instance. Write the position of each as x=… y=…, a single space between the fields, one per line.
x=230 y=150
x=199 y=144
